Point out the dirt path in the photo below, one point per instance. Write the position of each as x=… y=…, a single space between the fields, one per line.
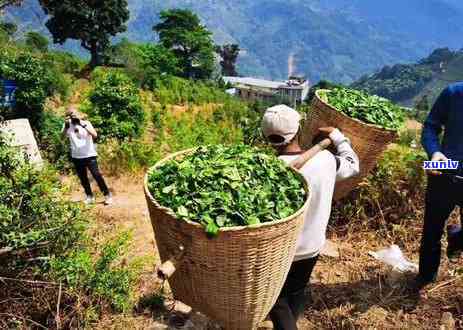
x=350 y=291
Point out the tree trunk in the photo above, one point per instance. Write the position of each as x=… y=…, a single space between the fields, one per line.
x=96 y=56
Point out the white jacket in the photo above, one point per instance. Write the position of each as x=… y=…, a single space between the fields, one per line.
x=322 y=172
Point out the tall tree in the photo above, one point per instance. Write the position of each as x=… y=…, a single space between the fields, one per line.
x=229 y=54
x=181 y=31
x=92 y=22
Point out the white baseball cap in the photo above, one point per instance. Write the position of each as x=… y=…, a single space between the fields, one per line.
x=283 y=121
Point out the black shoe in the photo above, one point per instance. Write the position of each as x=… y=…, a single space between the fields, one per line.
x=454 y=248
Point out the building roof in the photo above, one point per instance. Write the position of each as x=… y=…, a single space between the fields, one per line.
x=254 y=82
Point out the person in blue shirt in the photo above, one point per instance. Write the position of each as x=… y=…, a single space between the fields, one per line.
x=445 y=188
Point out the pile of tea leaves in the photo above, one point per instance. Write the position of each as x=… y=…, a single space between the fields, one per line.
x=367 y=108
x=227 y=186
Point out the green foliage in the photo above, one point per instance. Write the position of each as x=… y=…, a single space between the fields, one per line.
x=157 y=62
x=106 y=279
x=114 y=107
x=9 y=28
x=322 y=84
x=51 y=143
x=177 y=127
x=145 y=63
x=370 y=109
x=33 y=213
x=190 y=129
x=91 y=22
x=410 y=83
x=422 y=109
x=66 y=63
x=36 y=80
x=181 y=31
x=399 y=82
x=36 y=41
x=128 y=156
x=397 y=186
x=174 y=90
x=220 y=186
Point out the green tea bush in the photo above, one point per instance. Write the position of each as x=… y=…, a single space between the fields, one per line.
x=51 y=143
x=106 y=279
x=35 y=220
x=174 y=90
x=190 y=130
x=115 y=107
x=127 y=156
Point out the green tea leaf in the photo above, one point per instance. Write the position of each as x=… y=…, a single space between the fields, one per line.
x=224 y=186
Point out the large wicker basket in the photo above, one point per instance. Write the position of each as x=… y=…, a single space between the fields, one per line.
x=368 y=141
x=235 y=278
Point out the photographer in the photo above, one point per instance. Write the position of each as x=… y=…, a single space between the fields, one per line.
x=81 y=134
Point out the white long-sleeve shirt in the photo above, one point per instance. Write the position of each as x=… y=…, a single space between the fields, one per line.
x=322 y=172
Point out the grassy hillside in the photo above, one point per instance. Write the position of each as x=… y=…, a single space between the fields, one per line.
x=336 y=40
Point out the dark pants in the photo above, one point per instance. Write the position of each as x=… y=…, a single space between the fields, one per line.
x=442 y=195
x=291 y=302
x=81 y=166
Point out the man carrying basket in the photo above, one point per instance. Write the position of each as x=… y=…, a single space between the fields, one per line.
x=281 y=127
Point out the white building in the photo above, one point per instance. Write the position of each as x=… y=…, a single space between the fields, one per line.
x=294 y=90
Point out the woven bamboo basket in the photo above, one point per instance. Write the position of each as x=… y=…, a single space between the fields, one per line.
x=234 y=278
x=368 y=141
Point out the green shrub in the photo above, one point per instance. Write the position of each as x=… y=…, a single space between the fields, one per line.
x=106 y=278
x=115 y=107
x=119 y=157
x=66 y=63
x=36 y=80
x=51 y=143
x=34 y=216
x=392 y=194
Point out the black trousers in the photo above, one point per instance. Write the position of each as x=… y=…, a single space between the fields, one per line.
x=443 y=194
x=81 y=166
x=291 y=302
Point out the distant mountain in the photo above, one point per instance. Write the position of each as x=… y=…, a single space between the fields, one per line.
x=409 y=83
x=339 y=40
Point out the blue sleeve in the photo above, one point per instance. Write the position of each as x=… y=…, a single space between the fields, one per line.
x=433 y=124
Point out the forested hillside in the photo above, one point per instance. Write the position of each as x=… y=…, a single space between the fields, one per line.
x=410 y=83
x=337 y=40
